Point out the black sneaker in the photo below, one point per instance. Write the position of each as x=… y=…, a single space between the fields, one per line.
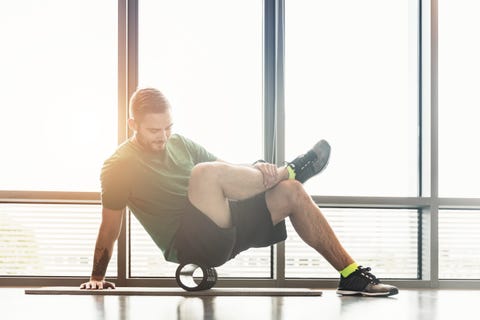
x=311 y=163
x=362 y=282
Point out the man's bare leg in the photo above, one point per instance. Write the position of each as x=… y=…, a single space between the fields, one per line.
x=213 y=183
x=289 y=198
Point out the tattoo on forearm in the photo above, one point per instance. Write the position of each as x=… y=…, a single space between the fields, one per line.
x=100 y=266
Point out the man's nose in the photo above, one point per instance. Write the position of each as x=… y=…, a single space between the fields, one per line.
x=163 y=135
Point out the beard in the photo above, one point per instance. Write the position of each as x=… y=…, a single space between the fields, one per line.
x=157 y=146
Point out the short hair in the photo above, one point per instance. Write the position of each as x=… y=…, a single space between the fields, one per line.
x=147 y=100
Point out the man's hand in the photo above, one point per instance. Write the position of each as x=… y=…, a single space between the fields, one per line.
x=270 y=173
x=97 y=285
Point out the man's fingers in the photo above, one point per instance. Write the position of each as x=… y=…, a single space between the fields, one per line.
x=272 y=170
x=97 y=285
x=270 y=174
x=85 y=285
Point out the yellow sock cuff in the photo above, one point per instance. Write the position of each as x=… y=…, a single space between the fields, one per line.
x=291 y=173
x=349 y=270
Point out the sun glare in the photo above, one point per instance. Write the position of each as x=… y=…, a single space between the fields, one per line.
x=59 y=93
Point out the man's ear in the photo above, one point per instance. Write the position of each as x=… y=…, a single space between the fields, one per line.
x=132 y=124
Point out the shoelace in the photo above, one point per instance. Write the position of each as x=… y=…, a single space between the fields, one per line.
x=365 y=272
x=305 y=160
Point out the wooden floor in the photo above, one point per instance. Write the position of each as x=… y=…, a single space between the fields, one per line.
x=408 y=304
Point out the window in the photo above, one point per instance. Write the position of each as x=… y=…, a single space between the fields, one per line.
x=59 y=93
x=351 y=78
x=209 y=65
x=49 y=240
x=347 y=71
x=458 y=99
x=386 y=240
x=459 y=244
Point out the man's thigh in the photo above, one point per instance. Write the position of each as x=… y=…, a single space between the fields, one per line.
x=205 y=193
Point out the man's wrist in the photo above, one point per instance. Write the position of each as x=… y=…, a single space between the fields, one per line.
x=97 y=278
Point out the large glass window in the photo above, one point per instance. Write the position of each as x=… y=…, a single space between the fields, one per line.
x=458 y=99
x=386 y=240
x=206 y=57
x=459 y=244
x=58 y=89
x=49 y=240
x=351 y=78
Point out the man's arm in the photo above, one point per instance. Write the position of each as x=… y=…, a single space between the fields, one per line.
x=107 y=235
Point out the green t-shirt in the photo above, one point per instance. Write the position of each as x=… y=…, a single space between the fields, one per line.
x=153 y=185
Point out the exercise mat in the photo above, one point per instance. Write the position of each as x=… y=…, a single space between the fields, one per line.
x=167 y=291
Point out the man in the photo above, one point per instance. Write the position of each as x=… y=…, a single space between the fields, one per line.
x=200 y=209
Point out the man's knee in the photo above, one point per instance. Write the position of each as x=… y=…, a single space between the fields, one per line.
x=292 y=189
x=291 y=192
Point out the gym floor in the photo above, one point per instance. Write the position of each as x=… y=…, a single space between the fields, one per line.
x=408 y=304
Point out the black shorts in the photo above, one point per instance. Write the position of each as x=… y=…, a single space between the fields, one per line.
x=199 y=240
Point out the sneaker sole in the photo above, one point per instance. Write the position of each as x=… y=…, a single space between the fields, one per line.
x=322 y=149
x=367 y=294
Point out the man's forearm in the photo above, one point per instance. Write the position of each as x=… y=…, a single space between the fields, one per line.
x=101 y=259
x=107 y=236
x=103 y=251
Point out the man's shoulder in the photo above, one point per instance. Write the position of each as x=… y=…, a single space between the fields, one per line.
x=125 y=148
x=122 y=154
x=193 y=148
x=182 y=141
x=178 y=141
x=177 y=138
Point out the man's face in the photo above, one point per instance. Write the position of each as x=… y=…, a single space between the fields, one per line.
x=154 y=130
